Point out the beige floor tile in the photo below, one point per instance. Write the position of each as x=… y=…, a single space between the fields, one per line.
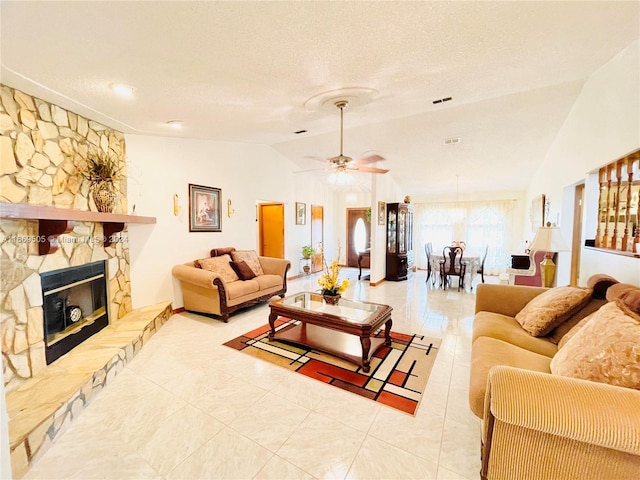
x=279 y=469
x=227 y=401
x=169 y=443
x=377 y=459
x=228 y=455
x=270 y=421
x=323 y=447
x=304 y=391
x=348 y=408
x=460 y=450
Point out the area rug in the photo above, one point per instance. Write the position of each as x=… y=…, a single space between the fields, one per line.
x=397 y=377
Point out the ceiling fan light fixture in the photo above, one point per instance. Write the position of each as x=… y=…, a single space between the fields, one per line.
x=340 y=178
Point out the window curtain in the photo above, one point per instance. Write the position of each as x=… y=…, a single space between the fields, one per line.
x=477 y=224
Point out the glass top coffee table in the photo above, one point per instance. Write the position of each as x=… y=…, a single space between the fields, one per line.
x=344 y=330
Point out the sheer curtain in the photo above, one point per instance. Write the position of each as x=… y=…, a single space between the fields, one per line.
x=478 y=224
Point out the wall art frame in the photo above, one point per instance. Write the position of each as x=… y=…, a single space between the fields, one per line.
x=382 y=213
x=301 y=213
x=204 y=208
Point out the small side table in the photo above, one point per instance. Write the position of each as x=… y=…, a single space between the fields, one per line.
x=304 y=262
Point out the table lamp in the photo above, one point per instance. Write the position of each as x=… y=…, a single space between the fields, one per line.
x=548 y=239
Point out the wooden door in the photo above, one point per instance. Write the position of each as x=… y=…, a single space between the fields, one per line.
x=271 y=228
x=356 y=221
x=576 y=240
x=317 y=237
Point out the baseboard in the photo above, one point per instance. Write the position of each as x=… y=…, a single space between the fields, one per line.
x=375 y=284
x=177 y=310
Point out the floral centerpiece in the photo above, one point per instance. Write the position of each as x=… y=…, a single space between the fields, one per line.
x=331 y=286
x=459 y=243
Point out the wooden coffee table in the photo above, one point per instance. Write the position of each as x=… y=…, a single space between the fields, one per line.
x=344 y=330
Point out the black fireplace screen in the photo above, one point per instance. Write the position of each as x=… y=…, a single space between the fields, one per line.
x=75 y=306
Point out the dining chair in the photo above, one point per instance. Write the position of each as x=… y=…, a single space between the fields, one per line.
x=452 y=265
x=481 y=267
x=428 y=249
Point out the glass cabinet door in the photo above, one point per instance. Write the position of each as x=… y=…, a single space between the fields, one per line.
x=391 y=231
x=402 y=231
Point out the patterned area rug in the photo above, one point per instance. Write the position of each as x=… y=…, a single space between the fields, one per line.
x=398 y=374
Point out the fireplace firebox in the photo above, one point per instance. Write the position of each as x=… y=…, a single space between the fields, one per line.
x=75 y=306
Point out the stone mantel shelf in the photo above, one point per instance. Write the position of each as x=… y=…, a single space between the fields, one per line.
x=54 y=221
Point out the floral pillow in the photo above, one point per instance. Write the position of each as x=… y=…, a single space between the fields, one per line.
x=250 y=257
x=551 y=308
x=606 y=349
x=220 y=266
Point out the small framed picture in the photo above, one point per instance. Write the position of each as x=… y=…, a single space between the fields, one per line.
x=204 y=209
x=382 y=213
x=301 y=213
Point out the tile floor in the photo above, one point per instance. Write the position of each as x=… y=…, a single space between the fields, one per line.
x=188 y=407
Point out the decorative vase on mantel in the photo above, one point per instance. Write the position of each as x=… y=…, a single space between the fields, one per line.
x=331 y=299
x=105 y=198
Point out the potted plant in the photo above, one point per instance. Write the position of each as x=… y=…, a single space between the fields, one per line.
x=307 y=252
x=103 y=170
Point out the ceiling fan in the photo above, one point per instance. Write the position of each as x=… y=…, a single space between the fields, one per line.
x=343 y=163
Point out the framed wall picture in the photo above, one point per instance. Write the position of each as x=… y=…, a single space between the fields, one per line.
x=536 y=214
x=301 y=213
x=204 y=209
x=382 y=213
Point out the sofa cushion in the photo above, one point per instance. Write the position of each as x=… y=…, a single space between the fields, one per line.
x=606 y=349
x=251 y=259
x=267 y=281
x=241 y=288
x=242 y=270
x=615 y=291
x=549 y=309
x=629 y=294
x=489 y=352
x=219 y=266
x=507 y=329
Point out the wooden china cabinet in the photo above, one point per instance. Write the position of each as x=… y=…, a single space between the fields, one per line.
x=399 y=241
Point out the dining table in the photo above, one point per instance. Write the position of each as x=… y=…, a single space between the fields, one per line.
x=472 y=261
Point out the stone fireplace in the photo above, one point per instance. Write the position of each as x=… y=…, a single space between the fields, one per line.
x=43 y=148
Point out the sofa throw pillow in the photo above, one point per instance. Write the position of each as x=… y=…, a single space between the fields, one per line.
x=551 y=308
x=243 y=270
x=606 y=349
x=600 y=283
x=219 y=266
x=567 y=336
x=251 y=259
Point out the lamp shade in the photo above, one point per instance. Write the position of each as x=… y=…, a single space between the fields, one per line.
x=548 y=239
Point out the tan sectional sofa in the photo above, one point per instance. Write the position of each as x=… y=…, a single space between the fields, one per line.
x=211 y=286
x=539 y=425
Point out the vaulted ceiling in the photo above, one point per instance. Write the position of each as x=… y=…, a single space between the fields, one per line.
x=246 y=71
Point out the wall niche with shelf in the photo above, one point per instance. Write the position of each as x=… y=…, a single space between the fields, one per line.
x=618 y=211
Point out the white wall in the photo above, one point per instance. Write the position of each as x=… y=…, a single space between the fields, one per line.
x=602 y=126
x=247 y=174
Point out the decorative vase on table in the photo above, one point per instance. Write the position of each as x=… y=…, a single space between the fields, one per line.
x=331 y=286
x=331 y=299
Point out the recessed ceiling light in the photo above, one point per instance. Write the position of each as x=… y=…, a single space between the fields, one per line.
x=122 y=89
x=175 y=124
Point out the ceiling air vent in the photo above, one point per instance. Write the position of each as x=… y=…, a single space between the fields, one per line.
x=441 y=100
x=451 y=140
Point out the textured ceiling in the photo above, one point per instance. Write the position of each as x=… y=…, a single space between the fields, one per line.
x=242 y=71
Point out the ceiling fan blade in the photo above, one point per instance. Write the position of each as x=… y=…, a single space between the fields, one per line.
x=370 y=169
x=369 y=159
x=312 y=170
x=315 y=157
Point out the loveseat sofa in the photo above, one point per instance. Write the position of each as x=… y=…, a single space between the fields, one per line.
x=230 y=279
x=550 y=396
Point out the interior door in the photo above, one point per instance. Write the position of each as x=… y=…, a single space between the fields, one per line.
x=271 y=228
x=317 y=237
x=358 y=234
